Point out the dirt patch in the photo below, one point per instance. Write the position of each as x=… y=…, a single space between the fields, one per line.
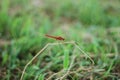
x=4 y=42
x=116 y=70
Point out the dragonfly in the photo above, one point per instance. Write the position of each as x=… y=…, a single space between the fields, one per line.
x=55 y=37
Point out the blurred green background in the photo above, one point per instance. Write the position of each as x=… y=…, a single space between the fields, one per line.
x=93 y=24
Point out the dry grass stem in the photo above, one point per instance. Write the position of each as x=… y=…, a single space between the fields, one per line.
x=52 y=44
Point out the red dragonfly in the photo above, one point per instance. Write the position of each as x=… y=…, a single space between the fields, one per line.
x=55 y=37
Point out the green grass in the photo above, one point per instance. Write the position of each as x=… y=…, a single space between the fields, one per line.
x=91 y=23
x=66 y=60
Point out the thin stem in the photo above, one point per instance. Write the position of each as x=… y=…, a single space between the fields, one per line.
x=52 y=44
